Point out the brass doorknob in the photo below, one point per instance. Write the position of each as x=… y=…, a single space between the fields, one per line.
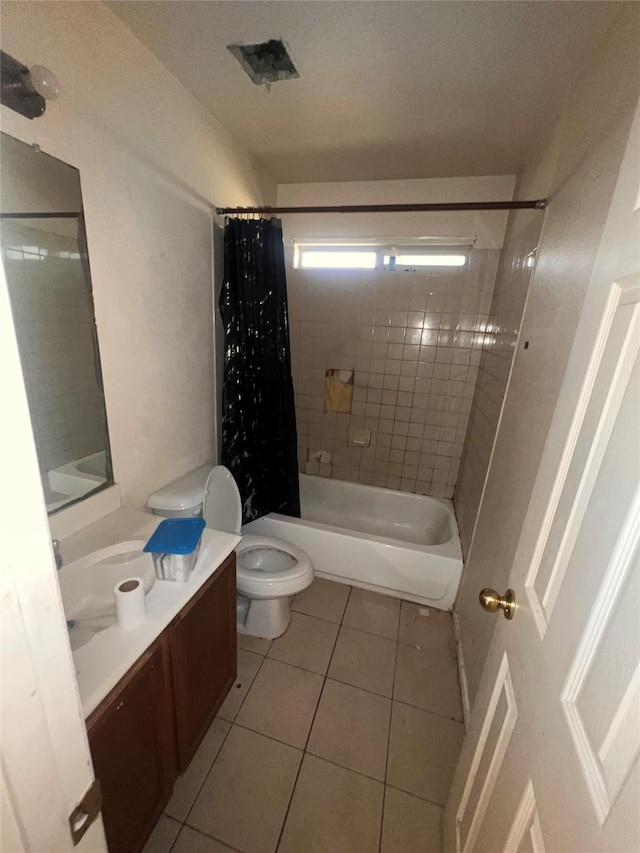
x=491 y=601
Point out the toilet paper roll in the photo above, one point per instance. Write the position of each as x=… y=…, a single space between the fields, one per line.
x=131 y=608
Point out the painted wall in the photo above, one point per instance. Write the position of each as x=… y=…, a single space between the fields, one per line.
x=151 y=161
x=576 y=166
x=412 y=340
x=33 y=184
x=487 y=226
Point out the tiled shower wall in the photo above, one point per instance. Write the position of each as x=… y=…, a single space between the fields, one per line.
x=413 y=341
x=54 y=326
x=496 y=357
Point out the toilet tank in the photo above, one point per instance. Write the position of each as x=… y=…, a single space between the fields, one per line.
x=183 y=497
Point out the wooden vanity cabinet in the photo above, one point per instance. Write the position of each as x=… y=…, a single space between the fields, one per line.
x=203 y=658
x=147 y=729
x=132 y=739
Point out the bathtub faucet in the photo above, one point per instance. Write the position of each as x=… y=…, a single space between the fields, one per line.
x=57 y=554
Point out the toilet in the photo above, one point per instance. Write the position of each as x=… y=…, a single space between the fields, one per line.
x=269 y=572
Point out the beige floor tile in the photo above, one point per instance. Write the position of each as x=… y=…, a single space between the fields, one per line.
x=333 y=811
x=248 y=665
x=427 y=680
x=282 y=702
x=432 y=632
x=351 y=728
x=423 y=751
x=244 y=800
x=163 y=835
x=188 y=785
x=253 y=644
x=308 y=642
x=364 y=660
x=372 y=612
x=324 y=599
x=190 y=841
x=410 y=824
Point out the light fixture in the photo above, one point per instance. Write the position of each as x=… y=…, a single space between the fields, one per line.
x=26 y=90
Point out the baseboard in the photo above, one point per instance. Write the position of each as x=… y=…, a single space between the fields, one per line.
x=462 y=673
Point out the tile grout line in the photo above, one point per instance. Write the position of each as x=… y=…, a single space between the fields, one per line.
x=224 y=740
x=349 y=769
x=357 y=686
x=417 y=796
x=244 y=699
x=175 y=840
x=400 y=642
x=207 y=835
x=342 y=623
x=204 y=781
x=184 y=823
x=386 y=764
x=326 y=674
x=304 y=751
x=320 y=757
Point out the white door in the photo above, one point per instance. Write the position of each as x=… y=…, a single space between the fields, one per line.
x=550 y=761
x=45 y=761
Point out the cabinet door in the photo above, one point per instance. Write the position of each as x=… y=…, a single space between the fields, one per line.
x=132 y=741
x=203 y=657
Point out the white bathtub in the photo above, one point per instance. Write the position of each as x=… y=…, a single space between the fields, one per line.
x=401 y=544
x=75 y=479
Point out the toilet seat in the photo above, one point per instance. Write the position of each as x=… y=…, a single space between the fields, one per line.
x=266 y=567
x=262 y=576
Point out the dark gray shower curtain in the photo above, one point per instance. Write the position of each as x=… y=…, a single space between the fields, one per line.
x=258 y=414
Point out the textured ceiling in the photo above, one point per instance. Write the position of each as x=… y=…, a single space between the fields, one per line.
x=387 y=89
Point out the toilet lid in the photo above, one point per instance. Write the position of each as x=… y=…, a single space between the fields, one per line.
x=222 y=509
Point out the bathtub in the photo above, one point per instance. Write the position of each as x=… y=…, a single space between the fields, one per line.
x=74 y=480
x=393 y=542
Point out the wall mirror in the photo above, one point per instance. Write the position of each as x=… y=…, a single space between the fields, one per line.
x=44 y=253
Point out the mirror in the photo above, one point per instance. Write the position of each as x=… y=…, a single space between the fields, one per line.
x=44 y=253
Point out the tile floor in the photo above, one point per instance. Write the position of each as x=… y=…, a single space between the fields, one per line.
x=339 y=737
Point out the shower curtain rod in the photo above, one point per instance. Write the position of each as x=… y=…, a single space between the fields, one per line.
x=66 y=215
x=538 y=204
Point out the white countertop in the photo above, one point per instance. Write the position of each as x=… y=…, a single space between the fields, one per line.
x=102 y=662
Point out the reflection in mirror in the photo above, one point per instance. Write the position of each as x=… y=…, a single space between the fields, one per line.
x=44 y=253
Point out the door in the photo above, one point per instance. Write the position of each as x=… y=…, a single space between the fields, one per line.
x=46 y=766
x=132 y=740
x=203 y=658
x=550 y=761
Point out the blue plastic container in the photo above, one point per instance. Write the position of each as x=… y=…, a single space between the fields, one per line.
x=175 y=546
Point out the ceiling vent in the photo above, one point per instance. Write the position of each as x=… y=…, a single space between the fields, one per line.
x=265 y=63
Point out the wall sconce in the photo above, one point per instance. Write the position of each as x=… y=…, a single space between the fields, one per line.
x=25 y=90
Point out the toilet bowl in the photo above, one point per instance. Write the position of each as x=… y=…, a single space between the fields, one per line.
x=269 y=571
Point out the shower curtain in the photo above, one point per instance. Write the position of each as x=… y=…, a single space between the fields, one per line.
x=259 y=444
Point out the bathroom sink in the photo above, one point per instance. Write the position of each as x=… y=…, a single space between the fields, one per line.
x=87 y=586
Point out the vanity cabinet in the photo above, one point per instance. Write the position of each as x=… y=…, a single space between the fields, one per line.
x=132 y=740
x=203 y=658
x=147 y=729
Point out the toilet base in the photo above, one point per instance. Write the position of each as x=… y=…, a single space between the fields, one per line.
x=263 y=617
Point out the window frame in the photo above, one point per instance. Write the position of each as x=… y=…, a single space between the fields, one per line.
x=386 y=250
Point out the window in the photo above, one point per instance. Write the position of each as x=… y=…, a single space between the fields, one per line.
x=326 y=257
x=417 y=255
